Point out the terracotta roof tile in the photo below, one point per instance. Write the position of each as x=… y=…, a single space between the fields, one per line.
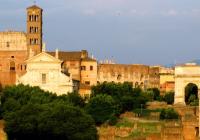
x=67 y=55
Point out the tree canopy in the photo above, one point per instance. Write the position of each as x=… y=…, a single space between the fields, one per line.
x=31 y=113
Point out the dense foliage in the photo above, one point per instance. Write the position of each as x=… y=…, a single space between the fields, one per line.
x=156 y=93
x=31 y=113
x=169 y=113
x=169 y=97
x=125 y=97
x=102 y=108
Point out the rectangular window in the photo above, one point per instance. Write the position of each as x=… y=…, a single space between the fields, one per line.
x=83 y=67
x=44 y=78
x=12 y=68
x=87 y=82
x=91 y=68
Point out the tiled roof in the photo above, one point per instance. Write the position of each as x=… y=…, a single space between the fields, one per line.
x=70 y=56
x=67 y=55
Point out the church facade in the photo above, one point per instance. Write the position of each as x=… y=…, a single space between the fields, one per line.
x=44 y=70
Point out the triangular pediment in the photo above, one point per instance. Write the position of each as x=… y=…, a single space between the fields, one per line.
x=43 y=57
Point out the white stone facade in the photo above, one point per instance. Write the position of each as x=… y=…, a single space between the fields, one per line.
x=185 y=74
x=44 y=70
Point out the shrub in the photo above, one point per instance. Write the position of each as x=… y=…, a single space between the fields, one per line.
x=169 y=113
x=169 y=97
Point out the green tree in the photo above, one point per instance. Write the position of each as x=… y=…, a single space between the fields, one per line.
x=31 y=113
x=101 y=108
x=169 y=97
x=156 y=93
x=75 y=99
x=127 y=103
x=126 y=97
x=169 y=113
x=149 y=95
x=114 y=89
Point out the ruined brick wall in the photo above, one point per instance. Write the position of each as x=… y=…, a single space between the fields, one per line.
x=140 y=75
x=154 y=78
x=11 y=65
x=13 y=53
x=13 y=41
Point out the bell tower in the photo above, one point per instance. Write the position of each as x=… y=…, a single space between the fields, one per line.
x=34 y=29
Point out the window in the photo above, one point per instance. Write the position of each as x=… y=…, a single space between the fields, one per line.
x=87 y=82
x=119 y=77
x=36 y=29
x=7 y=44
x=35 y=41
x=44 y=78
x=91 y=68
x=37 y=17
x=83 y=67
x=12 y=65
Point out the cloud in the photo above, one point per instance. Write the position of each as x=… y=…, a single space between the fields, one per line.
x=170 y=12
x=89 y=12
x=195 y=12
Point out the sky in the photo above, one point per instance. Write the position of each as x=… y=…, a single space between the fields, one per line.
x=152 y=32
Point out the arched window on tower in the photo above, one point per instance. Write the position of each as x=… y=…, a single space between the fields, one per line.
x=37 y=17
x=29 y=17
x=36 y=29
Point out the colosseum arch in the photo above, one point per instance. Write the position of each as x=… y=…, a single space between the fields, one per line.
x=185 y=74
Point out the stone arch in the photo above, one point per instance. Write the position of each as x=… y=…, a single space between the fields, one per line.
x=185 y=74
x=191 y=89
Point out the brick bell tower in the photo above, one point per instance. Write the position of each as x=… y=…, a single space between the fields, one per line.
x=34 y=29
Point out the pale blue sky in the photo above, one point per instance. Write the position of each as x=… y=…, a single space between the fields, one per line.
x=130 y=31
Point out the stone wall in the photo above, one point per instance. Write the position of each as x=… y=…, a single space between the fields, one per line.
x=13 y=41
x=12 y=65
x=139 y=75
